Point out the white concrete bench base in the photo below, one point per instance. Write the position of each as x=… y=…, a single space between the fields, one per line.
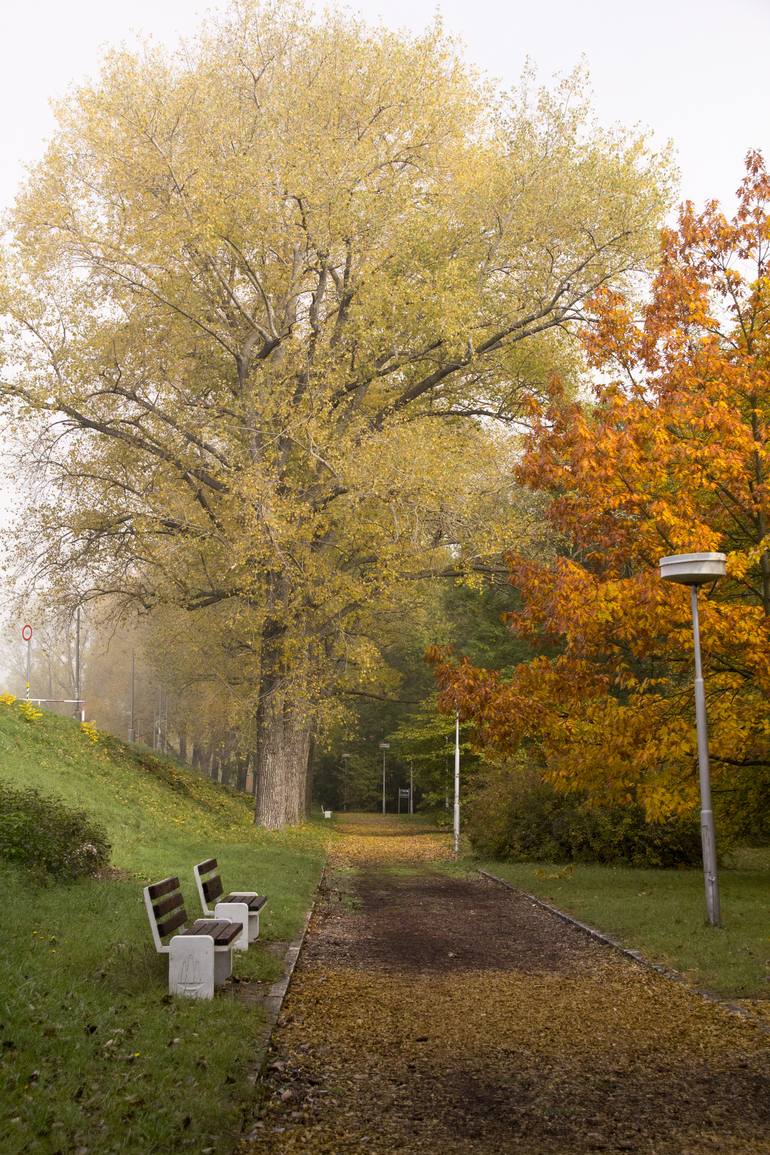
x=200 y=956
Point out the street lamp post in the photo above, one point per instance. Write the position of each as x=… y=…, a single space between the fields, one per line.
x=693 y=570
x=383 y=746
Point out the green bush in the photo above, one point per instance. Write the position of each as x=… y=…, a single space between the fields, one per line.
x=514 y=814
x=48 y=837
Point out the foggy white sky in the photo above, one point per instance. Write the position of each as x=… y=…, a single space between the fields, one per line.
x=693 y=71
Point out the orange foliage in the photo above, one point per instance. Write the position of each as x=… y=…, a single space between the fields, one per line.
x=671 y=455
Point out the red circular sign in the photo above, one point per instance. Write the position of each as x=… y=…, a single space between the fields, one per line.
x=26 y=633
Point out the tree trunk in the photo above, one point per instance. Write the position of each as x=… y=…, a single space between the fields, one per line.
x=284 y=746
x=210 y=764
x=283 y=727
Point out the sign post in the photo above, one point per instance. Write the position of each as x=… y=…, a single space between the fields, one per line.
x=26 y=633
x=79 y=711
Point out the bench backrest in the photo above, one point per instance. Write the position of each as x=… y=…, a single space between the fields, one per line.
x=211 y=888
x=165 y=909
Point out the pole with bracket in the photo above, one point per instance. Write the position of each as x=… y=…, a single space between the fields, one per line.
x=707 y=831
x=693 y=570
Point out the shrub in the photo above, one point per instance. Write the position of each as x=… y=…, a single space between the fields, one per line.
x=47 y=836
x=514 y=814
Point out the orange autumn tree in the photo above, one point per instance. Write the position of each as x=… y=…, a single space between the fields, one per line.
x=670 y=454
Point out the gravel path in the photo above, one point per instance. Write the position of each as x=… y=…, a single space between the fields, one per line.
x=441 y=1014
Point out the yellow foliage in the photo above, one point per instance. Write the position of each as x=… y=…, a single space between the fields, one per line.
x=311 y=265
x=29 y=712
x=90 y=731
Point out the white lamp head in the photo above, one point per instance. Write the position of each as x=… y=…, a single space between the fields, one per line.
x=693 y=569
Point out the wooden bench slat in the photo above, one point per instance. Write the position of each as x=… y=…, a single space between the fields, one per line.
x=212 y=888
x=201 y=926
x=205 y=867
x=228 y=934
x=222 y=932
x=158 y=889
x=167 y=904
x=253 y=901
x=172 y=922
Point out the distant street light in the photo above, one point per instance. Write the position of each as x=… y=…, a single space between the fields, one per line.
x=383 y=746
x=344 y=758
x=693 y=570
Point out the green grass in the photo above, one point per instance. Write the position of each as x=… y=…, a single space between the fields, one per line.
x=662 y=914
x=93 y=1052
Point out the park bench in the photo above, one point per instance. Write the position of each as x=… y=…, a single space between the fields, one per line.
x=200 y=956
x=242 y=906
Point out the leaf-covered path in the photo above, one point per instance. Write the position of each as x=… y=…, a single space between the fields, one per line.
x=437 y=1013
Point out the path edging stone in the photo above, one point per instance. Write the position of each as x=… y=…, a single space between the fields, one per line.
x=635 y=955
x=275 y=996
x=273 y=1001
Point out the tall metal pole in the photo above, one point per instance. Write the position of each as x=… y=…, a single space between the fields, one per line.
x=456 y=838
x=79 y=706
x=411 y=787
x=132 y=727
x=708 y=835
x=383 y=746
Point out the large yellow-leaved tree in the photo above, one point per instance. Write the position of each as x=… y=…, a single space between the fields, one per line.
x=268 y=302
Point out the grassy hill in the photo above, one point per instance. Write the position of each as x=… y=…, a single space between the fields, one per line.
x=94 y=1056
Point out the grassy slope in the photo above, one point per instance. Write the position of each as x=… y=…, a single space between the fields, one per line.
x=93 y=1053
x=662 y=913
